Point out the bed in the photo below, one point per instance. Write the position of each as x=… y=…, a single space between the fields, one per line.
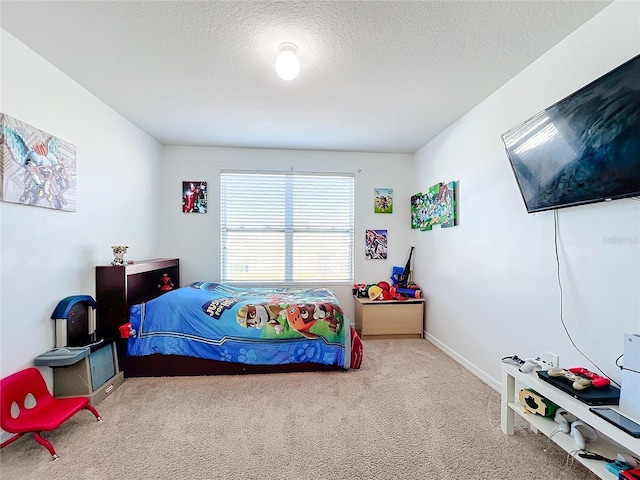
x=209 y=328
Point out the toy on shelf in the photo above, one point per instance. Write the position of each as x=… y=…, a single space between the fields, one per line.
x=119 y=252
x=533 y=402
x=165 y=283
x=360 y=290
x=406 y=273
x=396 y=273
x=402 y=287
x=408 y=292
x=384 y=291
x=127 y=330
x=375 y=293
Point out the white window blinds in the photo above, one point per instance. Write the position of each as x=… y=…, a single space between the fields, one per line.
x=286 y=228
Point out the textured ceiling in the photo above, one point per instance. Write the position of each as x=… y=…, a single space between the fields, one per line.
x=375 y=76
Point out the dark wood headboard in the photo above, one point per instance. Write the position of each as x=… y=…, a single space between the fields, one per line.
x=120 y=287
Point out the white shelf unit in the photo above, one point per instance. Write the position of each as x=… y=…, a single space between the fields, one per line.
x=611 y=440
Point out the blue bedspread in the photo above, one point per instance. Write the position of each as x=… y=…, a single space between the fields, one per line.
x=262 y=326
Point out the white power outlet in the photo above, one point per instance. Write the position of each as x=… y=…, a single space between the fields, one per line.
x=552 y=360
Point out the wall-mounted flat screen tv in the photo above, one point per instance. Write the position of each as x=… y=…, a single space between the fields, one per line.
x=583 y=149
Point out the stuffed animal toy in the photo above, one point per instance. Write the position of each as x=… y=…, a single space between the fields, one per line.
x=119 y=251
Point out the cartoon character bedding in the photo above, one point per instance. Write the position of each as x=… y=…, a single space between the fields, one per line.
x=262 y=326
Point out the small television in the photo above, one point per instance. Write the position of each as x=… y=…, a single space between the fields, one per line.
x=94 y=376
x=584 y=148
x=103 y=365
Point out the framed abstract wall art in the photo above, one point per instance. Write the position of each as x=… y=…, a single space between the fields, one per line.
x=37 y=168
x=383 y=200
x=436 y=207
x=194 y=197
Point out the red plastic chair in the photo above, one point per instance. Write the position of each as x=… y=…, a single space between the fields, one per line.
x=27 y=406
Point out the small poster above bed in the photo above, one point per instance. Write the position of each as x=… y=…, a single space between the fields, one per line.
x=194 y=197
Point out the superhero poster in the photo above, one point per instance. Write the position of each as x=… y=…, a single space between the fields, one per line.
x=36 y=167
x=376 y=245
x=194 y=197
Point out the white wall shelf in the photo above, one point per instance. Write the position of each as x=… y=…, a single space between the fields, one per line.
x=611 y=440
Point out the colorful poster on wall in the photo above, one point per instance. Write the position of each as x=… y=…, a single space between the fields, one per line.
x=418 y=211
x=383 y=200
x=376 y=245
x=436 y=207
x=194 y=197
x=37 y=168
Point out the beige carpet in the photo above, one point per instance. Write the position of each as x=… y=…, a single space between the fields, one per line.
x=410 y=412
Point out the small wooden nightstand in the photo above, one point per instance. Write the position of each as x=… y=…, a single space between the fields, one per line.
x=389 y=318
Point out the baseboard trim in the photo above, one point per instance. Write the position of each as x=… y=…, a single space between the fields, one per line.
x=481 y=374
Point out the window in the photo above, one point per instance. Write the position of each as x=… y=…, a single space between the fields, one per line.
x=286 y=228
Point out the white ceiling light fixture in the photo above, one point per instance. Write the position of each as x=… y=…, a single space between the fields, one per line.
x=287 y=63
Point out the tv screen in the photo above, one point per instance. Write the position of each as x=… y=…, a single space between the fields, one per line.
x=583 y=149
x=103 y=365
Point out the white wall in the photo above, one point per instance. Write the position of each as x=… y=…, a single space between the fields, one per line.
x=48 y=255
x=491 y=281
x=195 y=238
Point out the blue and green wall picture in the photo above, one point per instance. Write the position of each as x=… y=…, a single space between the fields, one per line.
x=436 y=207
